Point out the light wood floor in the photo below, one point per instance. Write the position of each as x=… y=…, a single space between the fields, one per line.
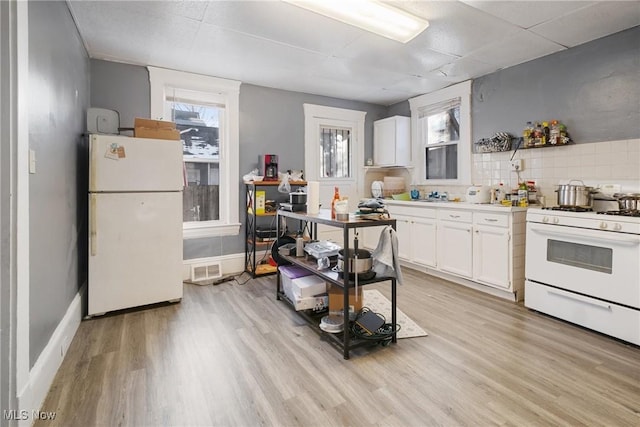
x=232 y=355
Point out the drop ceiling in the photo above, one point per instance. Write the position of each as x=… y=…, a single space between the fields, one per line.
x=279 y=45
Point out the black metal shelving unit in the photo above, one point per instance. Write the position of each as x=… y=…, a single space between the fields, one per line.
x=251 y=242
x=345 y=341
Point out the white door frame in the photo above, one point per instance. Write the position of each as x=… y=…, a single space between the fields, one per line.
x=318 y=115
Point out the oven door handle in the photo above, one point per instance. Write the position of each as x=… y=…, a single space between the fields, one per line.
x=597 y=236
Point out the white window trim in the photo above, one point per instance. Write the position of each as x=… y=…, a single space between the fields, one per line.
x=229 y=90
x=317 y=115
x=462 y=91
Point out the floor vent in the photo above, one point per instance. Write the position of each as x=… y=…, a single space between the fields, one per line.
x=205 y=273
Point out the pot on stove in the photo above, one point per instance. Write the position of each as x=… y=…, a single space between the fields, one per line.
x=575 y=196
x=628 y=201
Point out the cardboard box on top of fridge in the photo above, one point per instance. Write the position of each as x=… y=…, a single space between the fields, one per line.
x=156 y=129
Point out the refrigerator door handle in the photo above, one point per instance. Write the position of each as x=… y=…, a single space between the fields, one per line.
x=92 y=225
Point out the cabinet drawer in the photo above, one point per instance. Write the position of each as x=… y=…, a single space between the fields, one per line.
x=485 y=218
x=414 y=211
x=453 y=215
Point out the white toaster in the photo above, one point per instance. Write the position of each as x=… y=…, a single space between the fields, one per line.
x=478 y=194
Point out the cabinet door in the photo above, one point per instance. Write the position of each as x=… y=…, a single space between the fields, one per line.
x=491 y=261
x=455 y=248
x=403 y=230
x=370 y=237
x=423 y=242
x=384 y=143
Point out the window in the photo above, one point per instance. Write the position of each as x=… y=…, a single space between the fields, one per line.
x=335 y=152
x=205 y=110
x=441 y=129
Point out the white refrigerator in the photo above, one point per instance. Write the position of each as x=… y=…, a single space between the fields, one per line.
x=135 y=222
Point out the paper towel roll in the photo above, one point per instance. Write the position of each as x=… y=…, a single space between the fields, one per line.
x=313 y=197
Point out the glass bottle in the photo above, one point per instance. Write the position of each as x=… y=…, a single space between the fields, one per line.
x=336 y=197
x=545 y=133
x=554 y=132
x=527 y=134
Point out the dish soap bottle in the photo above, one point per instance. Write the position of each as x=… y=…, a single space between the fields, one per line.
x=523 y=195
x=336 y=197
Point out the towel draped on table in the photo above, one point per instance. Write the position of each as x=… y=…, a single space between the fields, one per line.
x=385 y=256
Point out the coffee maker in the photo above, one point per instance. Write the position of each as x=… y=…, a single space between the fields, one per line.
x=268 y=166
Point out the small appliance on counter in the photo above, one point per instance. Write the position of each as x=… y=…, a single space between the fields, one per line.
x=268 y=164
x=297 y=202
x=478 y=194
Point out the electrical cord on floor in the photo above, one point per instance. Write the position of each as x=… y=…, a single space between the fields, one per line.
x=223 y=279
x=384 y=333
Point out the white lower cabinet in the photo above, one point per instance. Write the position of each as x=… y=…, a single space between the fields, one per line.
x=416 y=235
x=483 y=246
x=455 y=243
x=491 y=256
x=403 y=230
x=423 y=241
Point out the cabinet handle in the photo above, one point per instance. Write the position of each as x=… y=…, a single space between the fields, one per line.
x=491 y=220
x=454 y=216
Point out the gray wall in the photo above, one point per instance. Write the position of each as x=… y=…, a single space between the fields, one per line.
x=120 y=87
x=58 y=99
x=593 y=88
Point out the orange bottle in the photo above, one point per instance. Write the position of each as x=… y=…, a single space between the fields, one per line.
x=336 y=197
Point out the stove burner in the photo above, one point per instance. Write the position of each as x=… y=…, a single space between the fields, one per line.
x=569 y=208
x=635 y=213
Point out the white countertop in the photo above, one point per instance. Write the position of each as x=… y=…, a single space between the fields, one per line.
x=455 y=205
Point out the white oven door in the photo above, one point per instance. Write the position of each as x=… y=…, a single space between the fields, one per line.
x=597 y=263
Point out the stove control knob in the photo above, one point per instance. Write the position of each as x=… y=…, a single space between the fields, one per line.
x=545 y=219
x=556 y=220
x=603 y=225
x=617 y=227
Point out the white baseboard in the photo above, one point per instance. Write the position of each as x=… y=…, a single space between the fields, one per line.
x=230 y=264
x=41 y=376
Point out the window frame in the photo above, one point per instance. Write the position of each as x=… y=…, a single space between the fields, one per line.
x=227 y=92
x=462 y=91
x=317 y=116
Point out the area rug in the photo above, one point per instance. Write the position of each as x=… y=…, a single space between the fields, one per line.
x=378 y=303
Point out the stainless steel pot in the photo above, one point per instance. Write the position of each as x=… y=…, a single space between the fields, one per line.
x=571 y=195
x=628 y=201
x=362 y=264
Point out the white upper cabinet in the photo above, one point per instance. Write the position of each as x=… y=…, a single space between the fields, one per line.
x=392 y=141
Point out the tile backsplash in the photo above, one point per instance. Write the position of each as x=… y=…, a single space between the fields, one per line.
x=593 y=163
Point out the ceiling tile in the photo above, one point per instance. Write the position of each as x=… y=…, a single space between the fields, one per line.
x=379 y=52
x=521 y=47
x=456 y=28
x=219 y=46
x=591 y=22
x=282 y=22
x=526 y=14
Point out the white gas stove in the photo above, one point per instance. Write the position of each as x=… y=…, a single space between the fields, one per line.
x=584 y=267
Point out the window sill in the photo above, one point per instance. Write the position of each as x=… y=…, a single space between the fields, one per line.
x=206 y=230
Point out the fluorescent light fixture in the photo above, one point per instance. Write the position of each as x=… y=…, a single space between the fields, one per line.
x=370 y=15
